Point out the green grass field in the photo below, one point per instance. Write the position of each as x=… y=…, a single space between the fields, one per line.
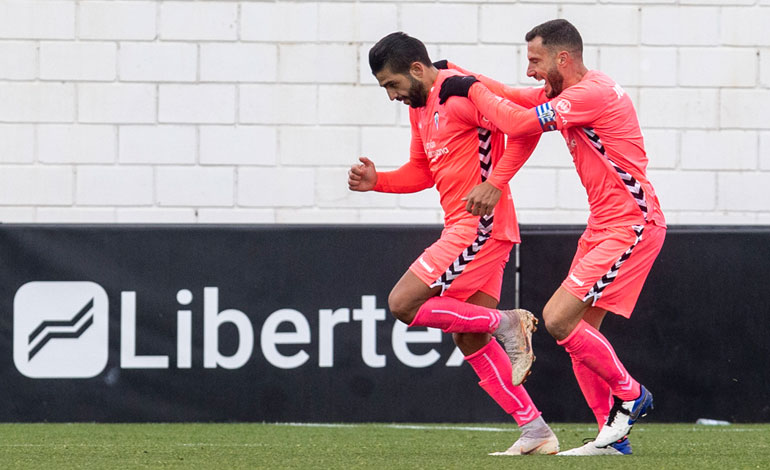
x=365 y=446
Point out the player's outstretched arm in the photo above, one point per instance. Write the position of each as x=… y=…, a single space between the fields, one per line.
x=362 y=176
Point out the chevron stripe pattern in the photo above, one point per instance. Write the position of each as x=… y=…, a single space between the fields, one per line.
x=484 y=231
x=632 y=185
x=598 y=288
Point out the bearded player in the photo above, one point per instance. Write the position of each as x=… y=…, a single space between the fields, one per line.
x=626 y=227
x=455 y=284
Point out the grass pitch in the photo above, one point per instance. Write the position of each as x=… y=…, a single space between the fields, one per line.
x=364 y=446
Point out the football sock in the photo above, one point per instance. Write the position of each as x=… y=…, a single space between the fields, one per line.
x=493 y=367
x=586 y=345
x=455 y=316
x=595 y=390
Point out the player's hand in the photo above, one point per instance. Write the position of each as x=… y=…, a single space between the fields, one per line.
x=456 y=86
x=362 y=176
x=482 y=199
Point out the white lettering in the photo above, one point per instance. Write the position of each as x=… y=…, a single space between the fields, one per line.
x=327 y=319
x=212 y=320
x=369 y=315
x=128 y=357
x=402 y=337
x=270 y=337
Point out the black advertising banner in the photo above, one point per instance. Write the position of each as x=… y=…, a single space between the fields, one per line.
x=290 y=323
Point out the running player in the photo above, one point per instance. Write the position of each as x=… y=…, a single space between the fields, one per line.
x=626 y=227
x=455 y=284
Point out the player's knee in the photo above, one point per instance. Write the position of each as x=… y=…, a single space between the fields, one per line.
x=401 y=307
x=552 y=322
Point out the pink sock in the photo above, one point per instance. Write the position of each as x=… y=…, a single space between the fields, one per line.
x=586 y=345
x=493 y=367
x=595 y=390
x=455 y=316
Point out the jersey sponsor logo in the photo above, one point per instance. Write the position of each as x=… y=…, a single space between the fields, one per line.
x=546 y=116
x=563 y=106
x=433 y=152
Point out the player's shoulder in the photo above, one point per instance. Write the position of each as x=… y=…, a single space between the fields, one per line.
x=595 y=86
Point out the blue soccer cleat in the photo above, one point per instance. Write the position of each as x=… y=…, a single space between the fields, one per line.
x=622 y=417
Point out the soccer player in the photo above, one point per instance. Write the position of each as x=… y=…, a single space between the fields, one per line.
x=455 y=284
x=626 y=226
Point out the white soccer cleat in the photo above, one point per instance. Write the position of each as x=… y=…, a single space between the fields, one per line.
x=622 y=417
x=616 y=448
x=532 y=446
x=515 y=332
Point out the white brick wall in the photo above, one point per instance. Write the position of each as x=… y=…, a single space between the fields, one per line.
x=251 y=111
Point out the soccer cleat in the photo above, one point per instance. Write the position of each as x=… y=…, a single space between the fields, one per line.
x=532 y=446
x=622 y=417
x=516 y=336
x=622 y=447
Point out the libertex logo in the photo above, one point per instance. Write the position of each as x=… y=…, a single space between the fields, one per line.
x=60 y=329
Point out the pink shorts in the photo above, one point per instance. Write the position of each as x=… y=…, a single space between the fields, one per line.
x=611 y=265
x=461 y=268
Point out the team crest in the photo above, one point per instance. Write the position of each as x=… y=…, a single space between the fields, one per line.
x=435 y=119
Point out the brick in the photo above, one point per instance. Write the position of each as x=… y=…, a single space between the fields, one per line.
x=719 y=150
x=154 y=215
x=37 y=102
x=79 y=143
x=743 y=191
x=236 y=216
x=448 y=23
x=764 y=68
x=685 y=190
x=385 y=146
x=639 y=66
x=401 y=216
x=17 y=215
x=373 y=106
x=745 y=26
x=213 y=104
x=195 y=186
x=316 y=216
x=158 y=145
x=570 y=193
x=36 y=185
x=682 y=26
x=717 y=67
x=344 y=22
x=332 y=191
x=279 y=22
x=241 y=145
x=276 y=187
x=318 y=146
x=224 y=62
x=116 y=103
x=617 y=24
x=114 y=186
x=745 y=109
x=17 y=143
x=18 y=60
x=310 y=63
x=498 y=62
x=119 y=20
x=534 y=189
x=687 y=108
x=552 y=216
x=78 y=61
x=717 y=218
x=662 y=147
x=278 y=104
x=425 y=199
x=158 y=62
x=30 y=19
x=75 y=215
x=206 y=20
x=764 y=150
x=508 y=24
x=551 y=152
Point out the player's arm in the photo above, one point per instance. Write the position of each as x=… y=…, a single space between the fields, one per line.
x=409 y=178
x=526 y=97
x=514 y=120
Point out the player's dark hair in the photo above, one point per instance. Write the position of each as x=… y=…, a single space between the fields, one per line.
x=558 y=34
x=397 y=51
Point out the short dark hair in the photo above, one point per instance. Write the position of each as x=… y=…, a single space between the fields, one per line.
x=397 y=51
x=558 y=33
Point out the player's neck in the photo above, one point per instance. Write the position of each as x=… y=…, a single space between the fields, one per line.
x=429 y=79
x=574 y=76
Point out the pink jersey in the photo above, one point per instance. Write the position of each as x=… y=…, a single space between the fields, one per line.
x=454 y=147
x=599 y=123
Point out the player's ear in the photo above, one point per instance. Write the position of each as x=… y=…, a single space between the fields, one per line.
x=417 y=70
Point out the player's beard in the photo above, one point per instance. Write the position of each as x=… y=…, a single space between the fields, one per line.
x=417 y=94
x=556 y=80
